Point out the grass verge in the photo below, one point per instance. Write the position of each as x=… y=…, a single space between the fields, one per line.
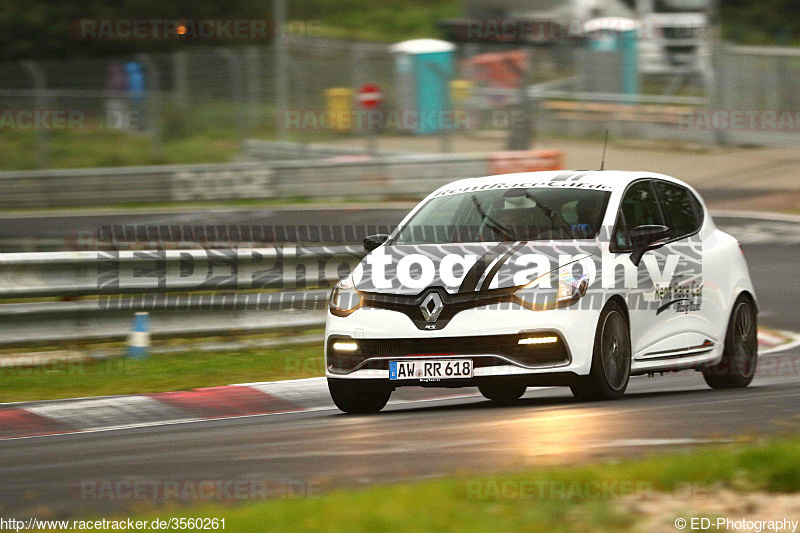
x=559 y=499
x=160 y=372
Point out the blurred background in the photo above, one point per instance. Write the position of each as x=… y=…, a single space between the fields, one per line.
x=296 y=128
x=181 y=183
x=282 y=124
x=187 y=89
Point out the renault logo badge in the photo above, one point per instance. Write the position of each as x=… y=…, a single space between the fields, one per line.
x=431 y=307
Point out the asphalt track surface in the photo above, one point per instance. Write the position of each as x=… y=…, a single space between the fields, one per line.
x=435 y=437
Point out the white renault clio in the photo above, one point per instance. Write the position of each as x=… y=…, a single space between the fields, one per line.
x=572 y=278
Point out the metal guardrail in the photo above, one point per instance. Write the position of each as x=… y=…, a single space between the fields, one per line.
x=623 y=98
x=280 y=150
x=383 y=177
x=555 y=91
x=230 y=291
x=35 y=275
x=233 y=303
x=26 y=323
x=772 y=51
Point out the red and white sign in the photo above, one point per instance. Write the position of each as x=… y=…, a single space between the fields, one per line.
x=370 y=96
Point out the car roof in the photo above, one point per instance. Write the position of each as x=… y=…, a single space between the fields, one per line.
x=607 y=180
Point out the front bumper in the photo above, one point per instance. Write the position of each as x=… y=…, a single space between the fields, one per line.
x=488 y=336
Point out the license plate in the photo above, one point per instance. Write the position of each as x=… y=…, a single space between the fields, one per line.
x=431 y=369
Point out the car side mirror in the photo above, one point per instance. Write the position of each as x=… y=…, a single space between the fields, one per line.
x=645 y=238
x=373 y=241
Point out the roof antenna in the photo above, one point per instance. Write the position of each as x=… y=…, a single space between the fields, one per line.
x=603 y=159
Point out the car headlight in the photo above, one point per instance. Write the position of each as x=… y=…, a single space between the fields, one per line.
x=569 y=291
x=344 y=298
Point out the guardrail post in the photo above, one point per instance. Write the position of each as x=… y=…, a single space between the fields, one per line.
x=181 y=75
x=281 y=65
x=153 y=89
x=139 y=338
x=358 y=65
x=720 y=61
x=40 y=103
x=520 y=135
x=252 y=58
x=236 y=87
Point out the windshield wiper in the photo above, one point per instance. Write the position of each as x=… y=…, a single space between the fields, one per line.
x=492 y=223
x=551 y=214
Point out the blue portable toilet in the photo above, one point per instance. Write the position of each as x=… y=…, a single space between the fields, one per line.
x=613 y=62
x=136 y=92
x=423 y=71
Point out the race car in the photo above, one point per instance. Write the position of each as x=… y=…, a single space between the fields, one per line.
x=563 y=278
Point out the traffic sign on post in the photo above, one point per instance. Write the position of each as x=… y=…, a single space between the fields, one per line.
x=370 y=96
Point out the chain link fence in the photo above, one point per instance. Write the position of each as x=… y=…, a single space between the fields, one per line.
x=235 y=92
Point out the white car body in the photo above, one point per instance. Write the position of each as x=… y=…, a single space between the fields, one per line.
x=662 y=340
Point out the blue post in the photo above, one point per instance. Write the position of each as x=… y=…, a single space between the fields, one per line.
x=139 y=338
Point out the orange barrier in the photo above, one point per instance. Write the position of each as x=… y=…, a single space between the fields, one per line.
x=525 y=161
x=498 y=69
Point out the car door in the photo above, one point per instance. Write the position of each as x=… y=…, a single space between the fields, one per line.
x=655 y=333
x=684 y=216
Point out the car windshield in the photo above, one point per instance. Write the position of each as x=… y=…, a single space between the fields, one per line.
x=520 y=214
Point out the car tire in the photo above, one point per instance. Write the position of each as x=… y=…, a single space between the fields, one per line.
x=611 y=358
x=740 y=357
x=358 y=396
x=502 y=393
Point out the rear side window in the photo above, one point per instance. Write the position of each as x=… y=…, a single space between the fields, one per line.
x=639 y=208
x=682 y=209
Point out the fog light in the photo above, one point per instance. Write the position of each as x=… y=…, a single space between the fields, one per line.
x=538 y=340
x=345 y=346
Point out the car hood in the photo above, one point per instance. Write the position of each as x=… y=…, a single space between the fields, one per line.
x=464 y=268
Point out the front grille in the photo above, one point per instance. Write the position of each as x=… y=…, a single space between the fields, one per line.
x=452 y=303
x=488 y=350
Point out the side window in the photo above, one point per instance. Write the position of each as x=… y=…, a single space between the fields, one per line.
x=698 y=209
x=639 y=208
x=681 y=209
x=622 y=235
